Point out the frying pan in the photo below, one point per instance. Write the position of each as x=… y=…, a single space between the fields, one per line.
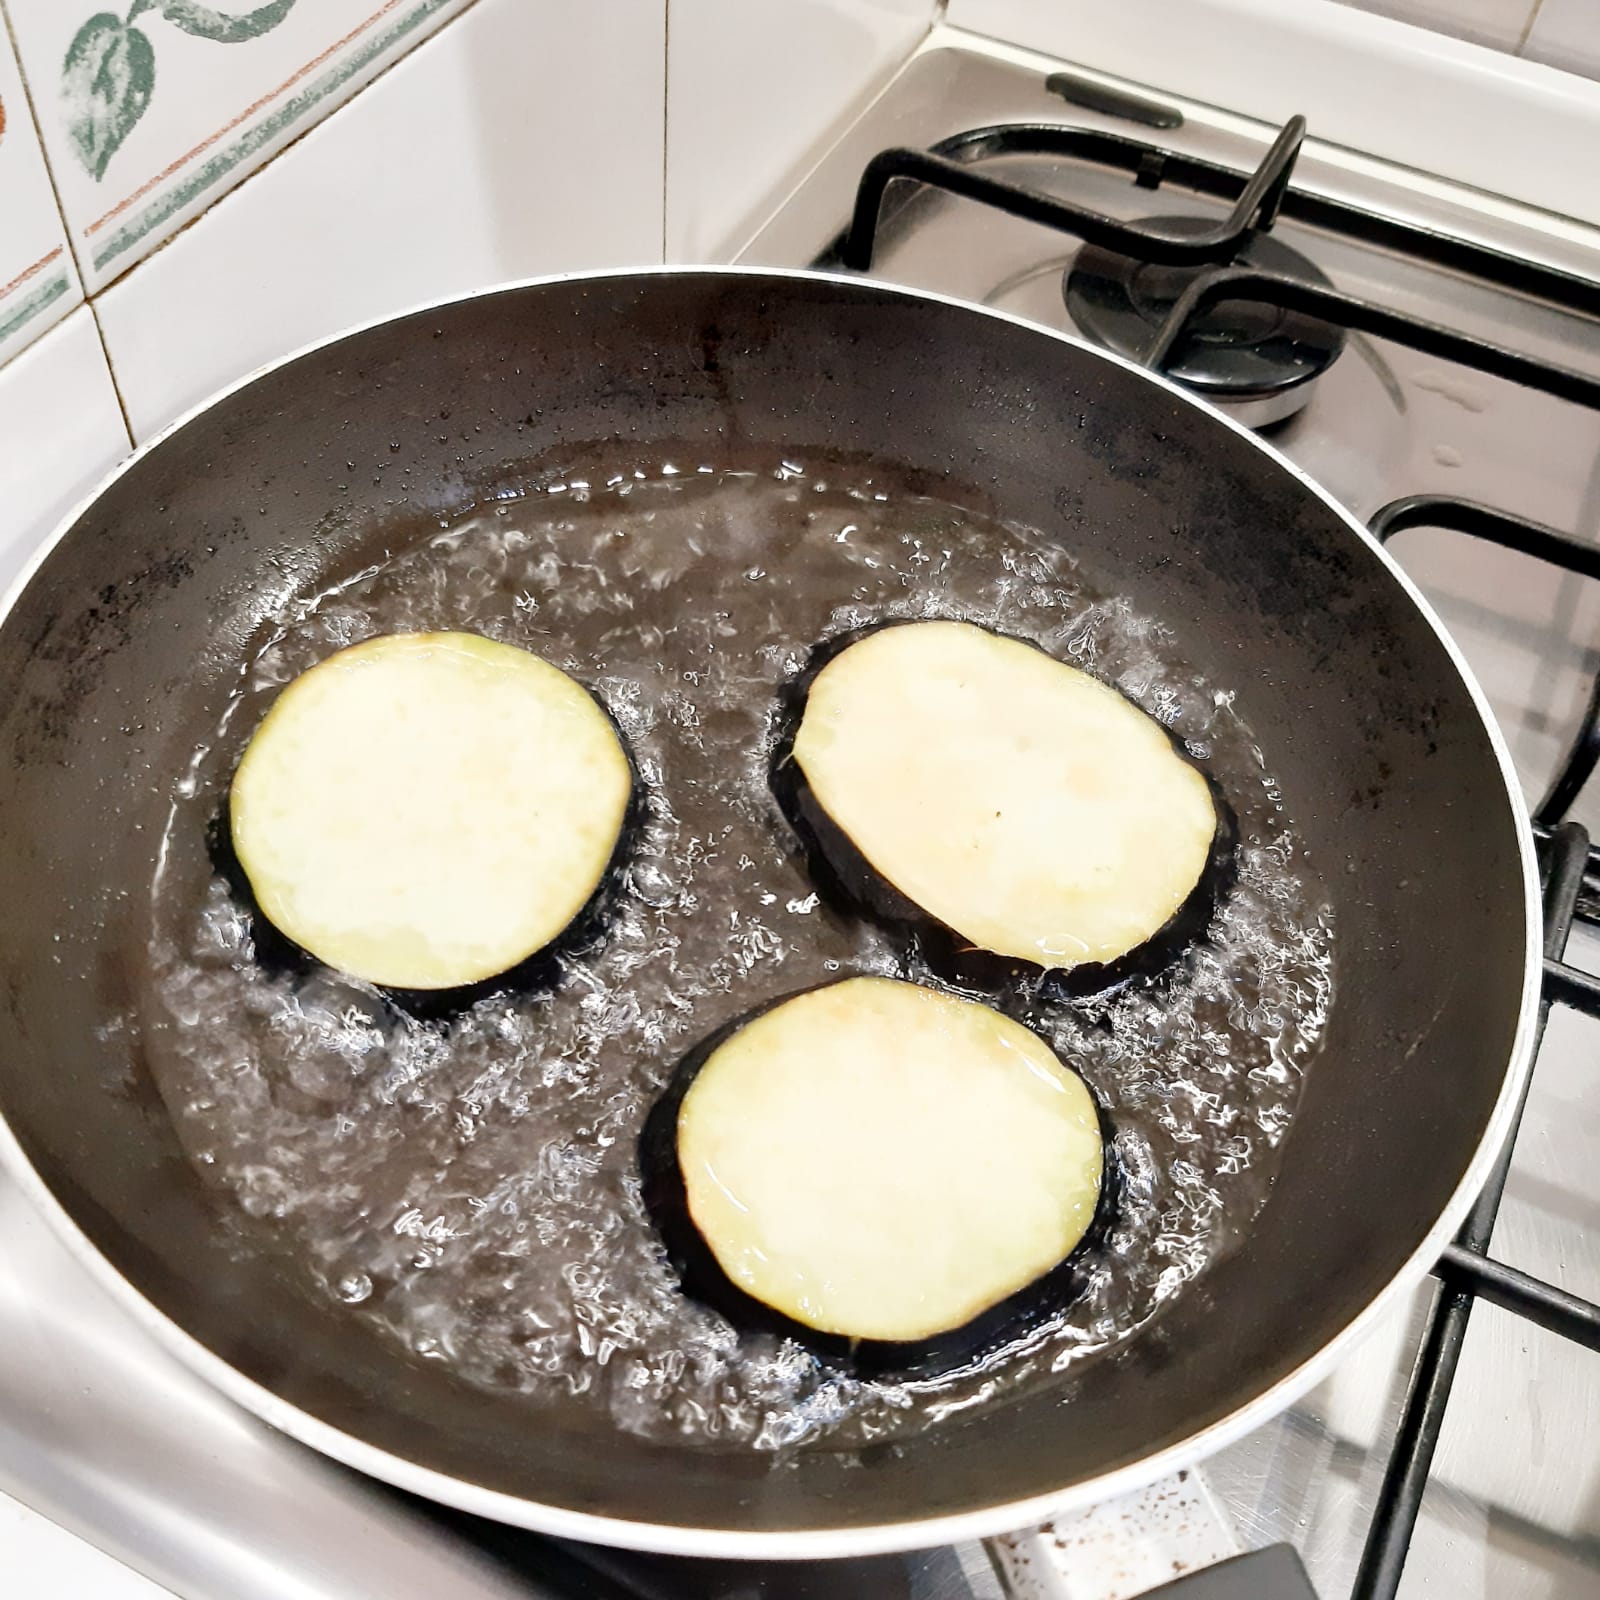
x=119 y=645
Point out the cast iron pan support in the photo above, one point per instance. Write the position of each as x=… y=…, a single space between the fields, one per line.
x=1544 y=544
x=1466 y=1271
x=1254 y=211
x=1210 y=289
x=1153 y=167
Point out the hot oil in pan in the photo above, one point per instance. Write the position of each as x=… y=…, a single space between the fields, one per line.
x=469 y=1185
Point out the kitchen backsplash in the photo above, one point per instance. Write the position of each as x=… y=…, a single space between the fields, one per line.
x=119 y=128
x=38 y=281
x=743 y=125
x=150 y=115
x=189 y=190
x=1560 y=33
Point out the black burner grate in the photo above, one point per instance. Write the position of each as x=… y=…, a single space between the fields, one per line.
x=1530 y=539
x=1258 y=199
x=1466 y=1271
x=1570 y=869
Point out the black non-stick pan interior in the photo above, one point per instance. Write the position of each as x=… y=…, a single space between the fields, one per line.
x=120 y=651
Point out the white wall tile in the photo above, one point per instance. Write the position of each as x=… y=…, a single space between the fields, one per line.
x=1566 y=33
x=522 y=139
x=38 y=283
x=756 y=93
x=60 y=432
x=154 y=109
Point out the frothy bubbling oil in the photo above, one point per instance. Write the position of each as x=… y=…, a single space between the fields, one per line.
x=469 y=1185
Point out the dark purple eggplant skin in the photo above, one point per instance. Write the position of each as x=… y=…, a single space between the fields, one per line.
x=666 y=1202
x=536 y=974
x=850 y=884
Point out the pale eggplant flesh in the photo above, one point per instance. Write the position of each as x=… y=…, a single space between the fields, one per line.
x=854 y=882
x=897 y=1177
x=433 y=814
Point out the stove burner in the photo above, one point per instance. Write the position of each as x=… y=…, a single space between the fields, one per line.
x=1255 y=361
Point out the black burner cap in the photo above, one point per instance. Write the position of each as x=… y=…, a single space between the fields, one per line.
x=1235 y=351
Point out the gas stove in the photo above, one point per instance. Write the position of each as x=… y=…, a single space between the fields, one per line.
x=1432 y=356
x=1435 y=363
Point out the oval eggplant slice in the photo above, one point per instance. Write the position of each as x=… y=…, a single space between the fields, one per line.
x=426 y=810
x=1031 y=809
x=876 y=1161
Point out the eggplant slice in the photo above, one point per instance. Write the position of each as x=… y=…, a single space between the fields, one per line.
x=874 y=1166
x=427 y=810
x=947 y=776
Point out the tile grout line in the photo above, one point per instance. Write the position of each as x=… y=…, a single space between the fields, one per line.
x=66 y=227
x=304 y=133
x=49 y=166
x=111 y=369
x=1527 y=27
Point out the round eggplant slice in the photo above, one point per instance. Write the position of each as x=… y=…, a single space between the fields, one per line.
x=1033 y=810
x=426 y=810
x=882 y=1162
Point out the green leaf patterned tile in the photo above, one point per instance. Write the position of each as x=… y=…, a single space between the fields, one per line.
x=152 y=111
x=38 y=282
x=106 y=82
x=205 y=23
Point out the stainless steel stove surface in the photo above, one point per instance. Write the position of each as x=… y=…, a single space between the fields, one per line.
x=114 y=1438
